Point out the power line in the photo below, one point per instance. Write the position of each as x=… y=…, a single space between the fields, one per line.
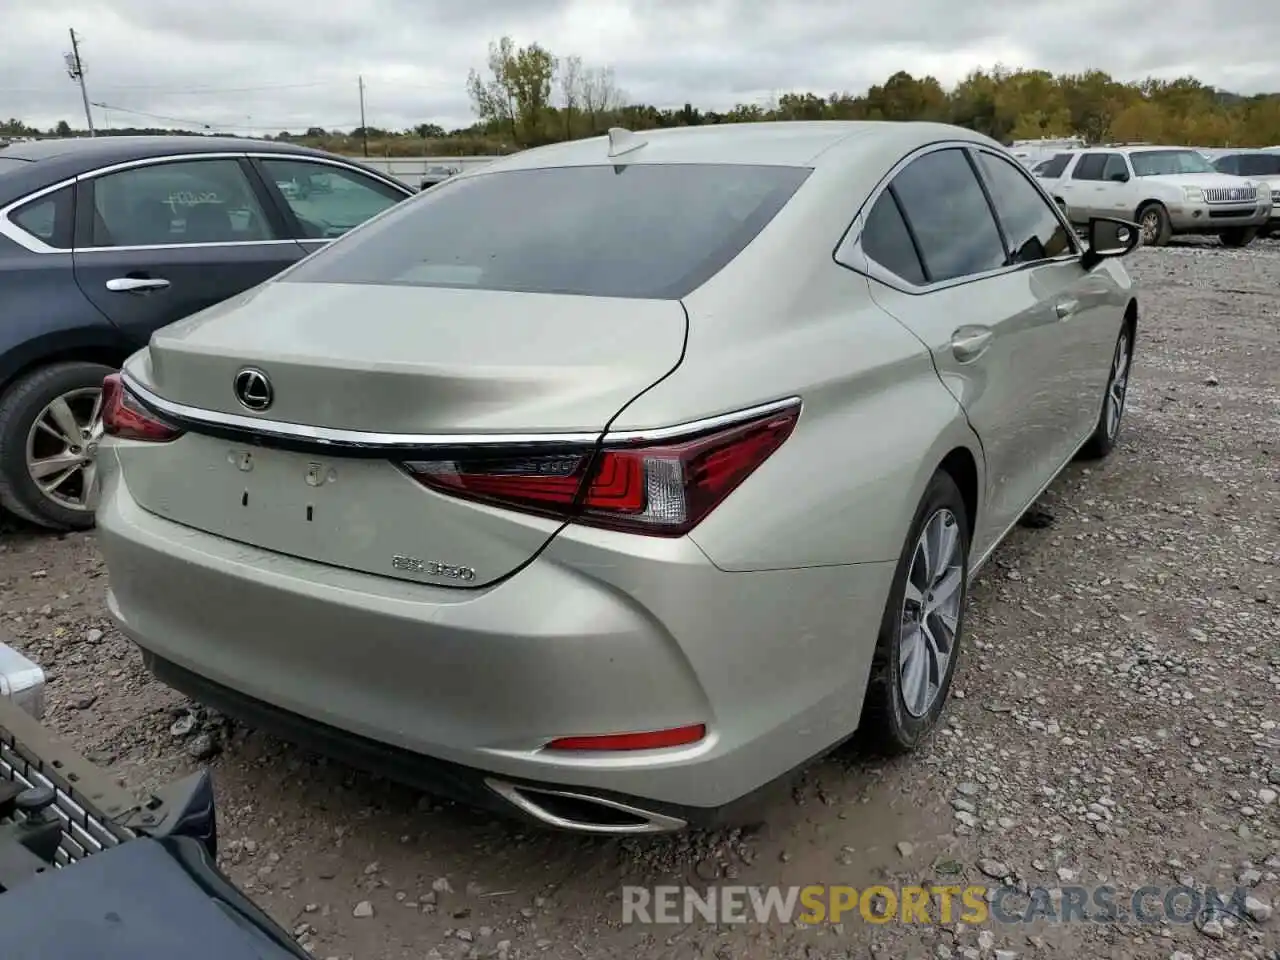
x=190 y=91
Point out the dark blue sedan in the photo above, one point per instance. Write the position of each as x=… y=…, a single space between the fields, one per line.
x=103 y=241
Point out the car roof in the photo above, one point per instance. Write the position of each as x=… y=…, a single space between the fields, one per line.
x=54 y=160
x=802 y=143
x=97 y=151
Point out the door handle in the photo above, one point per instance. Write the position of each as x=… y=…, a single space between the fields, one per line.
x=1065 y=309
x=969 y=343
x=136 y=284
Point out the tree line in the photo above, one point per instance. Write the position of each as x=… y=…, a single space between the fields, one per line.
x=527 y=96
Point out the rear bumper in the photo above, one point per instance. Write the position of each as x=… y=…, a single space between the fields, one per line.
x=603 y=633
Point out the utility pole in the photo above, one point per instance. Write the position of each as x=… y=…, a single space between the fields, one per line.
x=364 y=130
x=75 y=70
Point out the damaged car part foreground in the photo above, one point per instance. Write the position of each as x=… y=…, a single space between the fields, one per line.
x=87 y=872
x=610 y=513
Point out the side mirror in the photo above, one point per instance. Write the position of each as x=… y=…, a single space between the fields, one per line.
x=1120 y=177
x=1109 y=238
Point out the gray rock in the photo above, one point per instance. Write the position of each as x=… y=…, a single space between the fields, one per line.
x=1258 y=910
x=994 y=868
x=363 y=910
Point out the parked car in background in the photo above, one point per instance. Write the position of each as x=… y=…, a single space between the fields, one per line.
x=1262 y=164
x=437 y=175
x=610 y=513
x=1168 y=190
x=103 y=241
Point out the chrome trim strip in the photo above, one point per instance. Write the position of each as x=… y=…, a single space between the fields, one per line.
x=182 y=413
x=186 y=246
x=35 y=245
x=523 y=798
x=851 y=242
x=705 y=425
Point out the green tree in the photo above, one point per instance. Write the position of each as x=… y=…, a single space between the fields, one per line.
x=517 y=91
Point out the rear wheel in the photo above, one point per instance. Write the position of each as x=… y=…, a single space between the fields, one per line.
x=1238 y=236
x=1153 y=218
x=50 y=425
x=922 y=625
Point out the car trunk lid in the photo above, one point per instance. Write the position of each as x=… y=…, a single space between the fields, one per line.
x=403 y=373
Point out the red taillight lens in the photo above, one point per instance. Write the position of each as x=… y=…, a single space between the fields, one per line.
x=662 y=490
x=652 y=740
x=124 y=417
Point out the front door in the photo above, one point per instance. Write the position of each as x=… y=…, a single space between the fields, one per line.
x=326 y=199
x=159 y=241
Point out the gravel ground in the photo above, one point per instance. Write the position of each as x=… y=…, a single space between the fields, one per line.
x=1115 y=721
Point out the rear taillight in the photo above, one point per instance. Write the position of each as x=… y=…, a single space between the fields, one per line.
x=661 y=489
x=124 y=417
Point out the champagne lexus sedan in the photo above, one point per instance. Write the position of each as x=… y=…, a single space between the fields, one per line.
x=612 y=481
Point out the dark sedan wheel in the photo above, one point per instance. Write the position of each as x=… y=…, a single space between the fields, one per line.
x=50 y=425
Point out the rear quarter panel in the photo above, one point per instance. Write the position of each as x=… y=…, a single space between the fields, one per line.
x=785 y=320
x=43 y=314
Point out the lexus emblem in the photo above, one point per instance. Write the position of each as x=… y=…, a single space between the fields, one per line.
x=253 y=389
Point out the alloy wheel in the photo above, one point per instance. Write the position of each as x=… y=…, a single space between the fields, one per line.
x=930 y=612
x=62 y=447
x=1150 y=226
x=1118 y=387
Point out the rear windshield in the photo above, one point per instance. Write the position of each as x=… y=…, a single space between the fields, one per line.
x=647 y=231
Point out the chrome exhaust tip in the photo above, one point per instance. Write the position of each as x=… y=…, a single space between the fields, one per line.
x=582 y=812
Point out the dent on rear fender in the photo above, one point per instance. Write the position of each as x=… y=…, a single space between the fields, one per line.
x=845 y=485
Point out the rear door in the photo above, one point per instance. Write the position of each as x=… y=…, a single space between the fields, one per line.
x=1086 y=326
x=1114 y=192
x=991 y=330
x=323 y=200
x=160 y=240
x=1079 y=186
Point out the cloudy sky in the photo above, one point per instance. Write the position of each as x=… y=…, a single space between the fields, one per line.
x=268 y=65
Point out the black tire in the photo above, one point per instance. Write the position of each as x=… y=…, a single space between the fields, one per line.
x=1153 y=218
x=1103 y=439
x=1237 y=237
x=887 y=726
x=20 y=405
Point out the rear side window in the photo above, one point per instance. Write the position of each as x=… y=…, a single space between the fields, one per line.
x=1227 y=164
x=48 y=218
x=1054 y=167
x=647 y=231
x=886 y=240
x=949 y=215
x=1089 y=167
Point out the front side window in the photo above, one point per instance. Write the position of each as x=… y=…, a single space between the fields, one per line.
x=947 y=211
x=637 y=230
x=186 y=201
x=328 y=200
x=1030 y=224
x=1162 y=163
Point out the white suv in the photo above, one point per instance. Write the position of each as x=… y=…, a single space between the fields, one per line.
x=1168 y=190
